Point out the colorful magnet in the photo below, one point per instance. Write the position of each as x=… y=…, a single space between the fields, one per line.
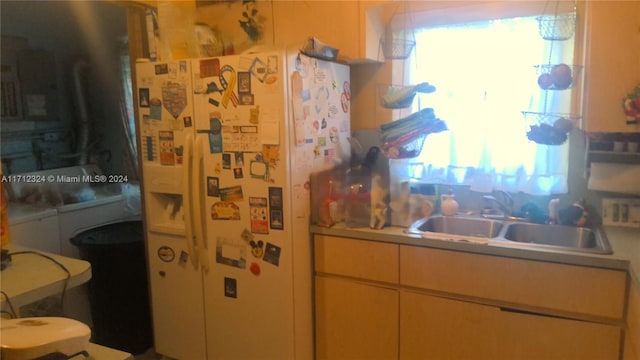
x=230 y=253
x=167 y=154
x=225 y=210
x=244 y=82
x=184 y=257
x=258 y=213
x=276 y=206
x=272 y=254
x=255 y=269
x=166 y=254
x=230 y=288
x=259 y=170
x=143 y=97
x=232 y=193
x=155 y=106
x=257 y=248
x=226 y=161
x=215 y=135
x=247 y=236
x=174 y=98
x=213 y=186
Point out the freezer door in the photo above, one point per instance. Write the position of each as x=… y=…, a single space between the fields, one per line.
x=176 y=299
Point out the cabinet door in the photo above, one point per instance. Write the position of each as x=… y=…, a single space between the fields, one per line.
x=632 y=333
x=439 y=328
x=355 y=320
x=612 y=63
x=353 y=27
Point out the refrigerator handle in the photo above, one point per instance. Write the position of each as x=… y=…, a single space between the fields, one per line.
x=186 y=199
x=199 y=204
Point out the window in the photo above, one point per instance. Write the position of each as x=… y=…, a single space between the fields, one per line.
x=485 y=78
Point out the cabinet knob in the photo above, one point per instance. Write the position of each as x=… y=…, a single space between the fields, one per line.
x=162 y=273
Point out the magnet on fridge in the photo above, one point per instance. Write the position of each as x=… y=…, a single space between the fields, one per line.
x=184 y=257
x=247 y=236
x=230 y=287
x=272 y=254
x=244 y=82
x=255 y=269
x=226 y=161
x=166 y=254
x=215 y=135
x=143 y=97
x=213 y=186
x=257 y=248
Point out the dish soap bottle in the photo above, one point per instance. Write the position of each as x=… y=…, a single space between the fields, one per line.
x=448 y=204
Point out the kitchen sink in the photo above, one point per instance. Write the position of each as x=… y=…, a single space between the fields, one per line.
x=466 y=226
x=517 y=233
x=568 y=237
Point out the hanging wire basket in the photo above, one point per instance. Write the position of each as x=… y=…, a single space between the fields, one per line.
x=401 y=96
x=558 y=76
x=398 y=40
x=549 y=128
x=396 y=48
x=557 y=26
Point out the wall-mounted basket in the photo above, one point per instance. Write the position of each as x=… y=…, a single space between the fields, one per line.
x=557 y=26
x=558 y=76
x=401 y=96
x=396 y=47
x=398 y=40
x=549 y=128
x=404 y=138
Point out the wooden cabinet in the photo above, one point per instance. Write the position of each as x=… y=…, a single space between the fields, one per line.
x=355 y=320
x=353 y=27
x=612 y=63
x=356 y=299
x=632 y=331
x=561 y=289
x=439 y=328
x=385 y=300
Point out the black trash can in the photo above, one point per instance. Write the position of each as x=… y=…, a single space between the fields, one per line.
x=118 y=289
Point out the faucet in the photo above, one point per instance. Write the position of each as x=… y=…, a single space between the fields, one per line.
x=506 y=206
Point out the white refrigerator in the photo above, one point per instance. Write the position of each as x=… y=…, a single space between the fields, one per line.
x=228 y=145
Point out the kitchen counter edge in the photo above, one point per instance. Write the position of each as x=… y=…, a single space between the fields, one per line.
x=625 y=243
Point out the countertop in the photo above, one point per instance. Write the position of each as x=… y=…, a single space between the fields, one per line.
x=625 y=243
x=31 y=277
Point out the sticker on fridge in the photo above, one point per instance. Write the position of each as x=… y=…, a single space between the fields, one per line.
x=225 y=210
x=276 y=220
x=272 y=254
x=167 y=154
x=259 y=216
x=230 y=253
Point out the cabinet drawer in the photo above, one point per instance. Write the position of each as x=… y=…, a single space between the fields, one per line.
x=362 y=259
x=567 y=289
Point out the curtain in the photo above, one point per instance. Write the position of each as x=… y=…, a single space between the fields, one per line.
x=485 y=78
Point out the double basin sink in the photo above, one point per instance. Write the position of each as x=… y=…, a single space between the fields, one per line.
x=518 y=233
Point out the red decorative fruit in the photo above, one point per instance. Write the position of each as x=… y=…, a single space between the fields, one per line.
x=561 y=76
x=544 y=81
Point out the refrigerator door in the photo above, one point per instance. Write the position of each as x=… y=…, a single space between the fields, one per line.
x=166 y=137
x=239 y=110
x=176 y=299
x=265 y=122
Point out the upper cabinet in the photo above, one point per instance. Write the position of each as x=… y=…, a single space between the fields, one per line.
x=353 y=27
x=612 y=63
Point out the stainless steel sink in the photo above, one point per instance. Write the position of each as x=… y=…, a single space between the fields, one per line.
x=466 y=226
x=518 y=233
x=567 y=237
